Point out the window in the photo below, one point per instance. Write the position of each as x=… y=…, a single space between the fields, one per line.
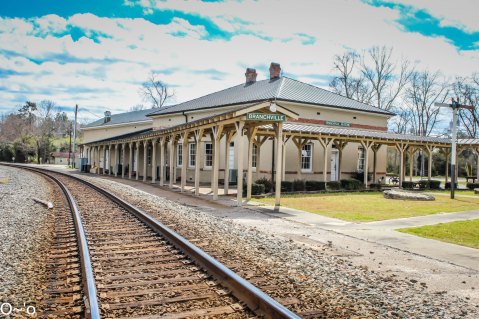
x=255 y=152
x=361 y=156
x=306 y=157
x=149 y=153
x=208 y=155
x=179 y=155
x=192 y=161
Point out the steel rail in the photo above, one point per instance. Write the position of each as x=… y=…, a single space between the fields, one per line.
x=92 y=310
x=256 y=300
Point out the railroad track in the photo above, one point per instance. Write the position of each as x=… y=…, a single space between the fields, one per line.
x=132 y=266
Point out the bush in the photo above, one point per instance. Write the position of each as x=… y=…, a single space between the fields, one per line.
x=268 y=184
x=334 y=185
x=360 y=176
x=434 y=184
x=408 y=185
x=315 y=186
x=448 y=185
x=471 y=186
x=377 y=186
x=286 y=186
x=256 y=189
x=351 y=184
x=299 y=185
x=423 y=184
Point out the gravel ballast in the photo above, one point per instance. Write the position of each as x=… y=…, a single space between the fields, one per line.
x=24 y=235
x=318 y=280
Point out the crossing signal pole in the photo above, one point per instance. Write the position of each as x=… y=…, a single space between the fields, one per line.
x=455 y=105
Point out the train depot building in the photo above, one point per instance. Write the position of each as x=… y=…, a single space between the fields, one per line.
x=278 y=128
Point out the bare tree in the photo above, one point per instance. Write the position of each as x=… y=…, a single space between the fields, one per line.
x=401 y=123
x=424 y=89
x=467 y=91
x=137 y=107
x=387 y=77
x=349 y=82
x=155 y=91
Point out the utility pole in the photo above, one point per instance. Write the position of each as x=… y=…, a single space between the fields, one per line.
x=455 y=105
x=70 y=147
x=75 y=134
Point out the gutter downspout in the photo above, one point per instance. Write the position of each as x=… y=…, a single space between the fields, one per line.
x=186 y=117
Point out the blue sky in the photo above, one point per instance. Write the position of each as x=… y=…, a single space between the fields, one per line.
x=97 y=53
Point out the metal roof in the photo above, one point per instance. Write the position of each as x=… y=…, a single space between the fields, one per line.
x=468 y=141
x=282 y=88
x=127 y=117
x=123 y=136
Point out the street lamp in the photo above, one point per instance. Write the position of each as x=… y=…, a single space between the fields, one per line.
x=455 y=105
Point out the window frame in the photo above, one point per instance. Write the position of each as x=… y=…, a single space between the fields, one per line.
x=179 y=155
x=205 y=165
x=361 y=159
x=192 y=154
x=254 y=162
x=310 y=157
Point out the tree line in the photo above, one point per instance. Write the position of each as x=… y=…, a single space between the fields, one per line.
x=29 y=133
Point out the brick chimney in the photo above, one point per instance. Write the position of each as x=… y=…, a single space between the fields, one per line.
x=250 y=75
x=274 y=71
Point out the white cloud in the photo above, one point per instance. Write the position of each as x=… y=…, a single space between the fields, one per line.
x=121 y=60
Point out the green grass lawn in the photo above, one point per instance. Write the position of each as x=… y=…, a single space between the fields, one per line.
x=465 y=233
x=365 y=207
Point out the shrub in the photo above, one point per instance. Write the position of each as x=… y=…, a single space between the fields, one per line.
x=256 y=189
x=334 y=185
x=286 y=186
x=434 y=184
x=298 y=185
x=351 y=184
x=268 y=184
x=423 y=184
x=377 y=186
x=471 y=186
x=360 y=176
x=315 y=186
x=448 y=185
x=408 y=185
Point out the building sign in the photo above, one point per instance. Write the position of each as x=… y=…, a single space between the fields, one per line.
x=265 y=117
x=342 y=124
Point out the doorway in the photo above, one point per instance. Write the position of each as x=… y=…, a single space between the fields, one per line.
x=334 y=165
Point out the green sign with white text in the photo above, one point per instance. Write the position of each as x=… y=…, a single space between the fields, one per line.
x=265 y=117
x=342 y=124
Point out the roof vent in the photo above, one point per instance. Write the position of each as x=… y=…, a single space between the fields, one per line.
x=250 y=75
x=107 y=117
x=274 y=71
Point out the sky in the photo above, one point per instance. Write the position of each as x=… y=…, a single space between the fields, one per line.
x=96 y=53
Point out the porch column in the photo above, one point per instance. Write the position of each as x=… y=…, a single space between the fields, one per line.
x=401 y=147
x=116 y=159
x=198 y=138
x=340 y=145
x=184 y=159
x=229 y=137
x=325 y=142
x=104 y=160
x=299 y=142
x=130 y=160
x=283 y=156
x=145 y=159
x=429 y=150
x=477 y=164
x=411 y=162
x=162 y=161
x=259 y=142
x=172 y=159
x=153 y=160
x=109 y=160
x=366 y=145
x=123 y=160
x=375 y=147
x=279 y=165
x=137 y=172
x=249 y=181
x=216 y=134
x=239 y=144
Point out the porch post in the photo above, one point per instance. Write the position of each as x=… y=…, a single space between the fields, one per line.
x=109 y=160
x=366 y=145
x=477 y=164
x=239 y=144
x=217 y=131
x=153 y=160
x=279 y=165
x=229 y=137
x=325 y=144
x=116 y=159
x=198 y=138
x=375 y=147
x=130 y=160
x=145 y=158
x=172 y=158
x=249 y=181
x=411 y=162
x=122 y=160
x=183 y=160
x=400 y=147
x=340 y=146
x=162 y=160
x=429 y=150
x=137 y=172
